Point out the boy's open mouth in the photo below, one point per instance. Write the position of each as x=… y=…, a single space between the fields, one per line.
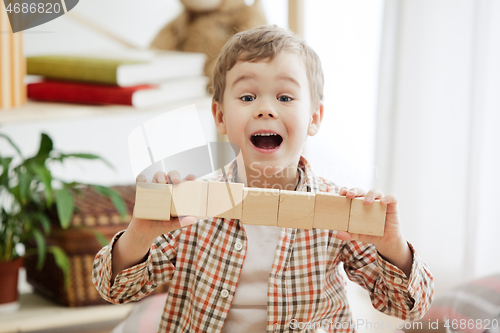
x=266 y=140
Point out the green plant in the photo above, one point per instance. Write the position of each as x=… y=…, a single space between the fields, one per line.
x=29 y=192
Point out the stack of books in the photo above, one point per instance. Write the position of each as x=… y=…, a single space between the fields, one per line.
x=140 y=78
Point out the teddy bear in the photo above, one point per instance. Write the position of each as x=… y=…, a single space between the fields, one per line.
x=206 y=25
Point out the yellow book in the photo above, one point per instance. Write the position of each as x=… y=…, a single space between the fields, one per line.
x=121 y=67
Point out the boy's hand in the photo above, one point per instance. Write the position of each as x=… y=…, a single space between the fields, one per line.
x=149 y=229
x=132 y=247
x=392 y=245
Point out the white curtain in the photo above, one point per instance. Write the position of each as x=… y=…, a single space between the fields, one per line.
x=346 y=37
x=438 y=131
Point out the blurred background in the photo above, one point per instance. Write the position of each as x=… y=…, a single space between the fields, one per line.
x=412 y=107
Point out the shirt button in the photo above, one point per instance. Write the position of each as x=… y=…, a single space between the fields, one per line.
x=398 y=280
x=123 y=279
x=238 y=246
x=224 y=293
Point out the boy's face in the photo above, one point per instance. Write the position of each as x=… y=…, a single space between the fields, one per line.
x=267 y=112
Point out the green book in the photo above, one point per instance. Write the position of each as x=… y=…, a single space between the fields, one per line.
x=143 y=68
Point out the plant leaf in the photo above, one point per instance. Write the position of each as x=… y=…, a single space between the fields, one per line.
x=103 y=241
x=44 y=221
x=46 y=178
x=46 y=147
x=41 y=246
x=12 y=144
x=4 y=177
x=85 y=156
x=115 y=197
x=62 y=261
x=24 y=184
x=65 y=206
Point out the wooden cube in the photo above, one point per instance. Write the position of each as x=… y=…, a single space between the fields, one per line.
x=331 y=211
x=152 y=201
x=260 y=206
x=367 y=219
x=296 y=209
x=189 y=198
x=225 y=200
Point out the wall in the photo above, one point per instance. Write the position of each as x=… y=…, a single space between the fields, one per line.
x=346 y=36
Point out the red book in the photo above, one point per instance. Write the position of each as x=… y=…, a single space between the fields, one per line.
x=139 y=96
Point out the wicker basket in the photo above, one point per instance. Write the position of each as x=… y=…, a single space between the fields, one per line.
x=94 y=213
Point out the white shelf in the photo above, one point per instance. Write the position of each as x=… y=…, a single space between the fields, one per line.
x=37 y=111
x=38 y=313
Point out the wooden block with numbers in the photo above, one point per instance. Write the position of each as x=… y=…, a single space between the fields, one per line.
x=189 y=198
x=331 y=211
x=260 y=206
x=153 y=201
x=296 y=209
x=225 y=200
x=367 y=219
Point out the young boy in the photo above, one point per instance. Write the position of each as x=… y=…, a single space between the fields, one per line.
x=229 y=277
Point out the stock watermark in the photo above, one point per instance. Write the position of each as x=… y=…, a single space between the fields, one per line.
x=259 y=174
x=327 y=324
x=450 y=325
x=26 y=14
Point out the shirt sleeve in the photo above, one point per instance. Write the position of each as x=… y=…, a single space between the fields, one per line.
x=391 y=291
x=137 y=281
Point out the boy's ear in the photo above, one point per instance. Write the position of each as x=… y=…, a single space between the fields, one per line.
x=315 y=120
x=219 y=118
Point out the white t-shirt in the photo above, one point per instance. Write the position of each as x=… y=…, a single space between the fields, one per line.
x=248 y=313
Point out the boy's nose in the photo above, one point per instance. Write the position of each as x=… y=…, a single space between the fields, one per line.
x=265 y=113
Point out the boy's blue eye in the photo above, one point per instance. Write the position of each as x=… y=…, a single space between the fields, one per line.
x=289 y=98
x=247 y=96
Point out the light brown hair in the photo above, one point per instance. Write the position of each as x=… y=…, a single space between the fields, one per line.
x=265 y=43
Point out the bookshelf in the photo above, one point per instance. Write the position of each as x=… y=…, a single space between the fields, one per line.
x=34 y=111
x=102 y=130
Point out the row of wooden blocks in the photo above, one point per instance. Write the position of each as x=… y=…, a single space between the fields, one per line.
x=259 y=206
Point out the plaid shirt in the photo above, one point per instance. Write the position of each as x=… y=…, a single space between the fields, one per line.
x=202 y=265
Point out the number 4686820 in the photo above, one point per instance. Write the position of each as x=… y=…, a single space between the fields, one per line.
x=455 y=324
x=46 y=8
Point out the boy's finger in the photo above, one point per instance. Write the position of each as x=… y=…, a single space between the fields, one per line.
x=347 y=236
x=173 y=177
x=180 y=222
x=373 y=194
x=173 y=224
x=185 y=221
x=390 y=200
x=190 y=177
x=355 y=192
x=141 y=178
x=160 y=177
x=344 y=235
